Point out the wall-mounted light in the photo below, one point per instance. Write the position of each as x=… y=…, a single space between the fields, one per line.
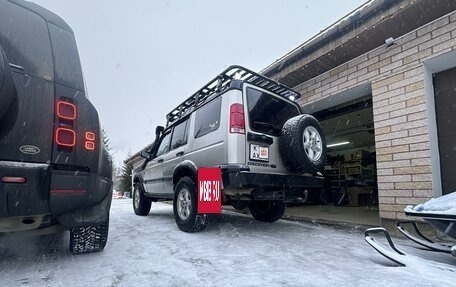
x=389 y=42
x=337 y=144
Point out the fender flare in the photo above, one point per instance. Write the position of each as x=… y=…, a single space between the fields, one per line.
x=185 y=168
x=138 y=179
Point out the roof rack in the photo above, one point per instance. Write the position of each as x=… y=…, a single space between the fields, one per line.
x=222 y=82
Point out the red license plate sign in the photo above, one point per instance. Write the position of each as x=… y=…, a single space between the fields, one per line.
x=209 y=190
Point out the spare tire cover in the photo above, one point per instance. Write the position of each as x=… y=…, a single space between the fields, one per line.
x=302 y=145
x=7 y=89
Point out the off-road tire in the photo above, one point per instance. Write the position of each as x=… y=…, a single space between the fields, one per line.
x=267 y=211
x=142 y=206
x=195 y=222
x=89 y=238
x=291 y=145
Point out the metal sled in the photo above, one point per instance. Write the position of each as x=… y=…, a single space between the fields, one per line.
x=445 y=223
x=422 y=239
x=394 y=254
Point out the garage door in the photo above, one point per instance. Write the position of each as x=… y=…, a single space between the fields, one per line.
x=445 y=107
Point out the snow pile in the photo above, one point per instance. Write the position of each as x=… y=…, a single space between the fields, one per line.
x=443 y=205
x=118 y=195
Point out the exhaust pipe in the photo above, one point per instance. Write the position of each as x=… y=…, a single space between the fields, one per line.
x=13 y=224
x=28 y=221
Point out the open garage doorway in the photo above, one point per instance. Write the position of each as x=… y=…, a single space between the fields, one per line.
x=445 y=108
x=351 y=192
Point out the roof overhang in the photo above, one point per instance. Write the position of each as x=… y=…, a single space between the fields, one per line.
x=356 y=34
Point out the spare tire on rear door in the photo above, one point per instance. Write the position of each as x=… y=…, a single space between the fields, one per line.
x=302 y=145
x=7 y=89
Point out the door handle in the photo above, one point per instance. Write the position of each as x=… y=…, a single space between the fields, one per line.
x=181 y=153
x=160 y=160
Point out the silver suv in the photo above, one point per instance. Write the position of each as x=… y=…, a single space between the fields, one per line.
x=247 y=125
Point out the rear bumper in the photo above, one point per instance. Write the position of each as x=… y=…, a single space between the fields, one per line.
x=70 y=196
x=239 y=176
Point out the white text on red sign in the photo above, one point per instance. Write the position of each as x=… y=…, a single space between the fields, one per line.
x=209 y=190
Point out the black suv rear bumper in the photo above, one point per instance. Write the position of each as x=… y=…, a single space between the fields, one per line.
x=74 y=198
x=241 y=177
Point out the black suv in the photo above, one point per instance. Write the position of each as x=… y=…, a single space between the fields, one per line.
x=54 y=168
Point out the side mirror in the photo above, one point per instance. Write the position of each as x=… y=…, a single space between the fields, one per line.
x=146 y=155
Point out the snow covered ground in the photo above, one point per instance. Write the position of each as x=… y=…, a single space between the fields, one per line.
x=234 y=250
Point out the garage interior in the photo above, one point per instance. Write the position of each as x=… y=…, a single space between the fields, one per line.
x=350 y=193
x=445 y=108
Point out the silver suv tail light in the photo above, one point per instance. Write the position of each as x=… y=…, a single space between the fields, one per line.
x=237 y=119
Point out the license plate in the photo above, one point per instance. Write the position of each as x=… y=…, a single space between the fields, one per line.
x=259 y=152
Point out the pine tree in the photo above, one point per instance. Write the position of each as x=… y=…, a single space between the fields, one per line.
x=106 y=141
x=107 y=145
x=125 y=181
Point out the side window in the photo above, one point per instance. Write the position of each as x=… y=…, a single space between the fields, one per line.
x=179 y=137
x=207 y=119
x=66 y=58
x=164 y=145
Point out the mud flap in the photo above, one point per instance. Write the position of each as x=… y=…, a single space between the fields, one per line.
x=71 y=191
x=94 y=215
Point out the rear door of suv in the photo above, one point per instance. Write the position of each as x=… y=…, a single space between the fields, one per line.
x=266 y=113
x=26 y=129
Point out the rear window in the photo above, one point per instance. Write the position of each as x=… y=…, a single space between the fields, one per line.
x=67 y=65
x=268 y=113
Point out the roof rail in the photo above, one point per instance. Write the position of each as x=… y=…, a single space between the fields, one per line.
x=222 y=82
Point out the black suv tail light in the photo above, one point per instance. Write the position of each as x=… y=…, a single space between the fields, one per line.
x=65 y=136
x=66 y=110
x=89 y=141
x=237 y=119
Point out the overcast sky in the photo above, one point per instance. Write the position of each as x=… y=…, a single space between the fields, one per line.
x=142 y=58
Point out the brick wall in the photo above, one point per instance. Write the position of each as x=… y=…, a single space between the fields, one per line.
x=396 y=75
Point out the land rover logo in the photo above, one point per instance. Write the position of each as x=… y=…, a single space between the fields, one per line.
x=29 y=149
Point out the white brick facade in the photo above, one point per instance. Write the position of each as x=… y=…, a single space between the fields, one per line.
x=396 y=75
